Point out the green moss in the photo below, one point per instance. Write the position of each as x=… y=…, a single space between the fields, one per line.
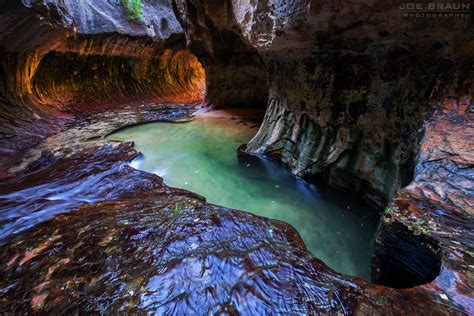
x=424 y=230
x=134 y=8
x=420 y=226
x=176 y=208
x=387 y=212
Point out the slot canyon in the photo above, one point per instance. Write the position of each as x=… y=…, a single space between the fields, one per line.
x=255 y=157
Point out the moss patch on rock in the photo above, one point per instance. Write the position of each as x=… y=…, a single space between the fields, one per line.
x=134 y=8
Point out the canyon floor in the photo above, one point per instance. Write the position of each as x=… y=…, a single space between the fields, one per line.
x=124 y=241
x=355 y=96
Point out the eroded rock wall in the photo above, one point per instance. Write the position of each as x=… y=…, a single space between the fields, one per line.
x=369 y=100
x=76 y=83
x=349 y=93
x=350 y=83
x=66 y=57
x=428 y=228
x=235 y=73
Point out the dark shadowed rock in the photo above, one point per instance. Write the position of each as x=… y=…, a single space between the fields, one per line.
x=127 y=243
x=235 y=73
x=358 y=97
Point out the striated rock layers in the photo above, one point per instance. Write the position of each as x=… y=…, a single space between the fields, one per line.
x=60 y=58
x=349 y=83
x=367 y=99
x=359 y=96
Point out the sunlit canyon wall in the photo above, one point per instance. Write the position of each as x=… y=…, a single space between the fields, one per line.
x=64 y=58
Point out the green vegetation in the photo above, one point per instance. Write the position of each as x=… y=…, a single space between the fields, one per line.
x=134 y=8
x=421 y=227
x=424 y=230
x=176 y=208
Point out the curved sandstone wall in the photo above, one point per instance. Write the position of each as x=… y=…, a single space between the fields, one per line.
x=350 y=83
x=60 y=58
x=371 y=101
x=75 y=82
x=358 y=96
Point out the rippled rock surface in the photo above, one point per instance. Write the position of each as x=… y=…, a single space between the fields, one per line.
x=166 y=253
x=129 y=243
x=163 y=253
x=350 y=87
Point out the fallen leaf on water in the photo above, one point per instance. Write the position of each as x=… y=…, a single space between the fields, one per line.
x=106 y=240
x=28 y=256
x=33 y=253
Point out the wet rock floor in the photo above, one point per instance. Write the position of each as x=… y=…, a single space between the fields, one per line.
x=144 y=247
x=202 y=156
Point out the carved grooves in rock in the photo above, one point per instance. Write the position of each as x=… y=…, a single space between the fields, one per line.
x=40 y=88
x=76 y=82
x=403 y=259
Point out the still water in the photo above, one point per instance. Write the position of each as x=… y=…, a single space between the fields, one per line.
x=201 y=156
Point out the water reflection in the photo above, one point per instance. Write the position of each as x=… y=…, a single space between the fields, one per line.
x=201 y=156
